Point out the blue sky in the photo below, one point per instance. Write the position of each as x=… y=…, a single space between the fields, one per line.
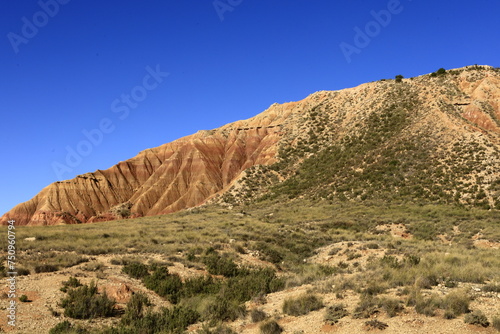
x=73 y=67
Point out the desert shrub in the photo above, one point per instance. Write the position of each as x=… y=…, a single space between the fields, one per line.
x=366 y=307
x=200 y=285
x=179 y=318
x=93 y=266
x=23 y=299
x=496 y=323
x=476 y=318
x=399 y=78
x=164 y=284
x=391 y=306
x=66 y=327
x=426 y=281
x=270 y=253
x=441 y=71
x=46 y=268
x=456 y=303
x=424 y=231
x=302 y=305
x=411 y=260
x=257 y=315
x=334 y=251
x=22 y=271
x=334 y=313
x=165 y=320
x=373 y=289
x=428 y=305
x=72 y=282
x=251 y=283
x=390 y=261
x=492 y=287
x=84 y=302
x=136 y=308
x=270 y=327
x=372 y=245
x=222 y=309
x=221 y=329
x=375 y=324
x=220 y=265
x=239 y=248
x=136 y=270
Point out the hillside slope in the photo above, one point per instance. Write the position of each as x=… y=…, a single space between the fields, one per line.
x=433 y=138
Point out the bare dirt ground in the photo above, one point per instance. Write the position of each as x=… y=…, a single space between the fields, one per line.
x=43 y=291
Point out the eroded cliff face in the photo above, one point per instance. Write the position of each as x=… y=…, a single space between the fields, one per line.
x=168 y=178
x=462 y=106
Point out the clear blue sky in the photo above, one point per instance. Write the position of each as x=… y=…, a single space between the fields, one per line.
x=67 y=72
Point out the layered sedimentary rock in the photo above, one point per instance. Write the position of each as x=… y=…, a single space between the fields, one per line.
x=168 y=178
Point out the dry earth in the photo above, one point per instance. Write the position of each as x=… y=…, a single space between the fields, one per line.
x=42 y=289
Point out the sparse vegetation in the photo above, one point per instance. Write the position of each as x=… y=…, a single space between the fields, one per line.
x=302 y=304
x=376 y=324
x=476 y=318
x=66 y=327
x=258 y=315
x=270 y=327
x=334 y=313
x=84 y=302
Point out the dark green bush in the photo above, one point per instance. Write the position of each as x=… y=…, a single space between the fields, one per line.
x=252 y=283
x=84 y=302
x=223 y=309
x=200 y=285
x=220 y=265
x=136 y=308
x=302 y=305
x=24 y=299
x=72 y=282
x=46 y=268
x=22 y=272
x=165 y=284
x=66 y=327
x=165 y=320
x=270 y=327
x=441 y=71
x=476 y=318
x=221 y=329
x=136 y=270
x=257 y=315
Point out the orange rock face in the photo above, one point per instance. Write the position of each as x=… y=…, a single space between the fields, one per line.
x=161 y=180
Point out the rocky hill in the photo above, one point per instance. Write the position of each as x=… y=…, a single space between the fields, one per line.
x=431 y=138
